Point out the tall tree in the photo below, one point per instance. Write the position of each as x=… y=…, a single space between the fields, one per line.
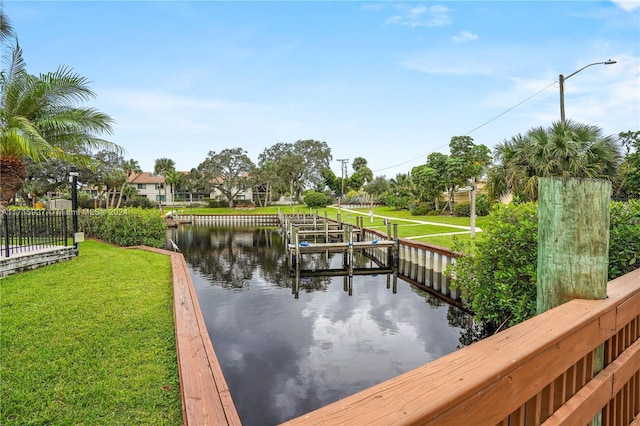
x=361 y=175
x=263 y=179
x=129 y=167
x=401 y=191
x=377 y=187
x=228 y=171
x=299 y=165
x=108 y=172
x=163 y=165
x=475 y=159
x=173 y=179
x=430 y=179
x=39 y=120
x=567 y=149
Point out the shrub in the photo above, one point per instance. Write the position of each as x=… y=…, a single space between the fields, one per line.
x=421 y=209
x=243 y=203
x=483 y=205
x=396 y=202
x=315 y=199
x=352 y=197
x=464 y=208
x=139 y=201
x=497 y=276
x=125 y=227
x=624 y=238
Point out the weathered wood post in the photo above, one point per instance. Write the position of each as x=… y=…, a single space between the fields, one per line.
x=573 y=240
x=573 y=245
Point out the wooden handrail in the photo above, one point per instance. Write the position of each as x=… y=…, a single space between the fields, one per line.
x=535 y=371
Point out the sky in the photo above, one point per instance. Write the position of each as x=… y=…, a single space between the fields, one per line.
x=387 y=81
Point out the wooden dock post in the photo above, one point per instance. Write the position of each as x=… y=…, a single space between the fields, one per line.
x=573 y=245
x=573 y=240
x=396 y=247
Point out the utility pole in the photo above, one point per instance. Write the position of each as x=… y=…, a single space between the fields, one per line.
x=343 y=169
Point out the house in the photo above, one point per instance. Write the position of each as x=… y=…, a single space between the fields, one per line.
x=154 y=188
x=151 y=186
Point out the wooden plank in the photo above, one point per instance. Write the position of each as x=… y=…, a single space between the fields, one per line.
x=499 y=373
x=587 y=402
x=207 y=366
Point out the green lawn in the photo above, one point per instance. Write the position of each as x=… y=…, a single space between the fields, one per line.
x=408 y=225
x=90 y=341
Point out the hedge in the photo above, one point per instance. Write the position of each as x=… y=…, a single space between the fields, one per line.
x=497 y=275
x=125 y=227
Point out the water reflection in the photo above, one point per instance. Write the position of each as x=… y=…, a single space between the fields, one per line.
x=283 y=356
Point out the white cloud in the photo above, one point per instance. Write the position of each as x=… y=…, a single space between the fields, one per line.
x=464 y=37
x=421 y=16
x=627 y=5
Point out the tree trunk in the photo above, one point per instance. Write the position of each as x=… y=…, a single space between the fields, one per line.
x=13 y=174
x=120 y=196
x=113 y=197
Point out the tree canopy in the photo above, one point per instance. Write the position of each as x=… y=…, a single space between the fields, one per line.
x=567 y=149
x=227 y=171
x=40 y=120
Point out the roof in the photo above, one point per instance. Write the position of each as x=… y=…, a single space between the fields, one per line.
x=145 y=177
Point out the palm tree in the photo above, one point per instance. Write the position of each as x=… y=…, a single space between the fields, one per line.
x=39 y=120
x=567 y=149
x=163 y=165
x=6 y=30
x=130 y=167
x=173 y=179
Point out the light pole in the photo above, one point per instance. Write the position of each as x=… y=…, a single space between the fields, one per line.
x=73 y=180
x=562 y=78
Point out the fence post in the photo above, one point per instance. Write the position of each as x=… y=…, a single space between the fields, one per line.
x=5 y=224
x=73 y=178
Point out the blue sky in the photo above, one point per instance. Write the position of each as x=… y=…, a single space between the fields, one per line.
x=387 y=81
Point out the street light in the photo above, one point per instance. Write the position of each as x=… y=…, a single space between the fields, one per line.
x=562 y=78
x=73 y=180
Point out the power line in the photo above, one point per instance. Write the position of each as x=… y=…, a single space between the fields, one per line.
x=470 y=131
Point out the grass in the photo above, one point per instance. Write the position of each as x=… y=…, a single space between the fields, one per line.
x=90 y=341
x=409 y=226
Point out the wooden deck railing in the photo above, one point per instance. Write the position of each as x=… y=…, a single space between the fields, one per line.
x=538 y=372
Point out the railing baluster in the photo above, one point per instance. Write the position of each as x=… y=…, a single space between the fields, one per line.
x=5 y=227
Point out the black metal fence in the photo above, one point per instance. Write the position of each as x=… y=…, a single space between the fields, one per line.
x=28 y=230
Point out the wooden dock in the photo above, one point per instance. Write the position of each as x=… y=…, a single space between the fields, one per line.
x=312 y=234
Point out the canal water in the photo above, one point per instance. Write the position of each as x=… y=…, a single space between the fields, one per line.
x=290 y=345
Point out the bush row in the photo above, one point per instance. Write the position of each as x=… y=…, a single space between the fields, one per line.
x=497 y=275
x=124 y=227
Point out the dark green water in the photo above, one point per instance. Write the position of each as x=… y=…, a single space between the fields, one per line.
x=284 y=356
